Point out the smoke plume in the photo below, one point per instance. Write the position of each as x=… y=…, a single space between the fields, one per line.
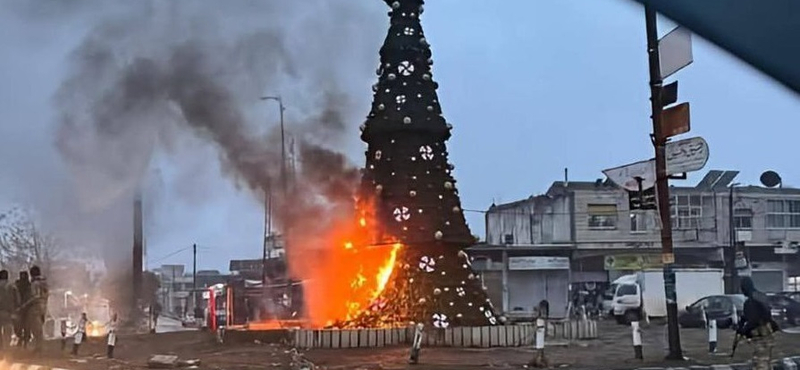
x=156 y=78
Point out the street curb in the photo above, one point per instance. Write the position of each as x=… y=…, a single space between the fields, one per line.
x=786 y=363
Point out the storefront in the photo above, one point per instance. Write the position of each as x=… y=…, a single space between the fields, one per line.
x=532 y=279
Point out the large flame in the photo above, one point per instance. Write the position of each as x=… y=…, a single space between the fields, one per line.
x=347 y=273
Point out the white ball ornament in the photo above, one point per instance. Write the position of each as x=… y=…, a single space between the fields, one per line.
x=407 y=120
x=456 y=209
x=392 y=76
x=396 y=5
x=430 y=108
x=381 y=106
x=448 y=185
x=379 y=188
x=412 y=193
x=426 y=77
x=422 y=300
x=437 y=291
x=438 y=235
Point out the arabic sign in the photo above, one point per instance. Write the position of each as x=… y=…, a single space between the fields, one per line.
x=632 y=262
x=675 y=51
x=686 y=155
x=626 y=176
x=538 y=263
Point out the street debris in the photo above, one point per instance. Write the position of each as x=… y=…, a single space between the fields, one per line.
x=162 y=362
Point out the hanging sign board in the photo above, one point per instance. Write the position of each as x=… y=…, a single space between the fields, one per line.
x=686 y=155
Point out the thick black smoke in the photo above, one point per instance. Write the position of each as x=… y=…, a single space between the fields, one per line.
x=148 y=78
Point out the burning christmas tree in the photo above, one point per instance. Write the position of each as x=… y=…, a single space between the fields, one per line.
x=408 y=196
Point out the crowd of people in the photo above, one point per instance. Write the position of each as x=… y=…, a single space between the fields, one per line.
x=23 y=305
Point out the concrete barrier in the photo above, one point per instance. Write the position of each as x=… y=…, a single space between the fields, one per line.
x=477 y=337
x=572 y=330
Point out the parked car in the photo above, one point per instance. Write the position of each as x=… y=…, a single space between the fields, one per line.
x=785 y=310
x=793 y=295
x=717 y=307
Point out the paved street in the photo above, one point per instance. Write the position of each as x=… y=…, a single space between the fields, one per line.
x=612 y=351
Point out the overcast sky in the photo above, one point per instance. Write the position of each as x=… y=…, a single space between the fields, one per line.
x=531 y=87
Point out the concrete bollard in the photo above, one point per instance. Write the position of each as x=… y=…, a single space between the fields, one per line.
x=637 y=340
x=540 y=332
x=539 y=360
x=416 y=344
x=712 y=336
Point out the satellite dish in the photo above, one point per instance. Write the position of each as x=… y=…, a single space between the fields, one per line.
x=770 y=179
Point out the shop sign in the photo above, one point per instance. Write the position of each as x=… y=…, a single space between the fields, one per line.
x=632 y=262
x=538 y=263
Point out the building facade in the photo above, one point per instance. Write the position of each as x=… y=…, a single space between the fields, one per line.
x=177 y=285
x=579 y=236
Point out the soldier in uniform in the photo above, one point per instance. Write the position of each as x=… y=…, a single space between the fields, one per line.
x=37 y=307
x=22 y=294
x=7 y=309
x=757 y=325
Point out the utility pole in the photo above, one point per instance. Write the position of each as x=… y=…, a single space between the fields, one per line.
x=659 y=139
x=731 y=273
x=138 y=251
x=194 y=276
x=278 y=99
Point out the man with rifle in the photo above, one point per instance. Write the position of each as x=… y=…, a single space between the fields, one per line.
x=756 y=325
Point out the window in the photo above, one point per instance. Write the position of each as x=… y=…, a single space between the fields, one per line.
x=743 y=218
x=639 y=221
x=687 y=211
x=701 y=304
x=602 y=216
x=783 y=214
x=794 y=283
x=626 y=289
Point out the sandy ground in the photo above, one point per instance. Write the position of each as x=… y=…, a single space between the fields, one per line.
x=612 y=351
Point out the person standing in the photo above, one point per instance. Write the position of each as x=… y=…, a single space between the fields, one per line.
x=111 y=343
x=7 y=308
x=23 y=294
x=37 y=307
x=80 y=333
x=757 y=324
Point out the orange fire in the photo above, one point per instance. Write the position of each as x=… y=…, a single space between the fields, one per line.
x=344 y=281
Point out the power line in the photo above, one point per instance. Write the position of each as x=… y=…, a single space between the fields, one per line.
x=175 y=252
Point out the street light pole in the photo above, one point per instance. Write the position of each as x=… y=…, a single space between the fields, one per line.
x=267 y=252
x=283 y=138
x=659 y=139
